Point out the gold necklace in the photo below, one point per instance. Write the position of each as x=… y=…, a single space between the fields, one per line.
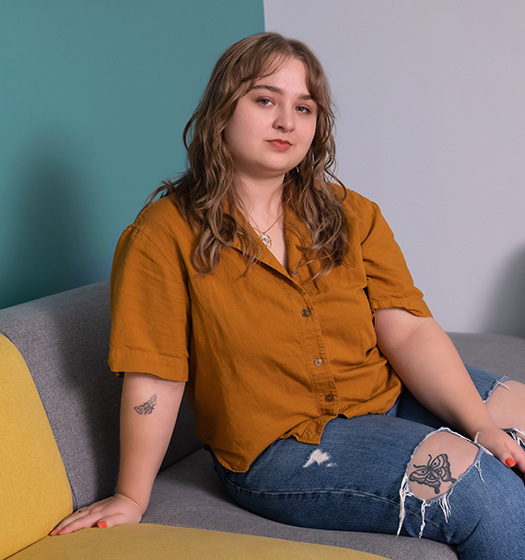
x=265 y=238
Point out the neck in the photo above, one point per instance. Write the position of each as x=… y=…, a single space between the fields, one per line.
x=261 y=198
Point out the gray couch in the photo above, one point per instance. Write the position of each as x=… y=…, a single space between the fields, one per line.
x=64 y=340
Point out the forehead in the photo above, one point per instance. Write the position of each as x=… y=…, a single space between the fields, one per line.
x=287 y=73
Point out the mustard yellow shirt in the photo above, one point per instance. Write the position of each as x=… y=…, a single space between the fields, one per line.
x=266 y=352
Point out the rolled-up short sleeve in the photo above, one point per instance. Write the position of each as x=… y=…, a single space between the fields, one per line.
x=389 y=282
x=149 y=309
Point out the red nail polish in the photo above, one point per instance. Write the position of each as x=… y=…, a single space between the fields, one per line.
x=60 y=532
x=510 y=462
x=102 y=524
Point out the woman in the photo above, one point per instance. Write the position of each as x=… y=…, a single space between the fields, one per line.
x=318 y=378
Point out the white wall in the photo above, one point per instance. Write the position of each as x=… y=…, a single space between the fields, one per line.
x=430 y=99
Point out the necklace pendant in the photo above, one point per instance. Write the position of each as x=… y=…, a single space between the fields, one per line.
x=266 y=240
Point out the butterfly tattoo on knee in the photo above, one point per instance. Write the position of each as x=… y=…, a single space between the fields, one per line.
x=147 y=407
x=435 y=472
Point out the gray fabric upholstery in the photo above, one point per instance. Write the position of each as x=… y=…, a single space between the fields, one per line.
x=497 y=353
x=64 y=340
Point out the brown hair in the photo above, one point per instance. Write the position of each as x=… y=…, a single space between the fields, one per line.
x=202 y=191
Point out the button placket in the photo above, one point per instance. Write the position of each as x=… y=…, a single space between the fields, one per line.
x=323 y=384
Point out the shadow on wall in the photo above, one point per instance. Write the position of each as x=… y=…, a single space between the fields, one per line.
x=506 y=311
x=49 y=226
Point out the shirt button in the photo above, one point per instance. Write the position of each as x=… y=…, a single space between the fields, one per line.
x=305 y=312
x=329 y=397
x=295 y=273
x=318 y=362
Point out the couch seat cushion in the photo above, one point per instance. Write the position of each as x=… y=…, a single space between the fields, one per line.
x=159 y=542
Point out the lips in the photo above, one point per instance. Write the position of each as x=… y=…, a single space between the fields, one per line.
x=279 y=144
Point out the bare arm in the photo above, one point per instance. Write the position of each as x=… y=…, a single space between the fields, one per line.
x=145 y=432
x=149 y=409
x=428 y=364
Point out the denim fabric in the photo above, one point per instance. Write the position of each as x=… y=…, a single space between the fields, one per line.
x=354 y=478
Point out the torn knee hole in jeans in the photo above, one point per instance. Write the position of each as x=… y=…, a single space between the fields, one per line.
x=432 y=472
x=517 y=435
x=499 y=383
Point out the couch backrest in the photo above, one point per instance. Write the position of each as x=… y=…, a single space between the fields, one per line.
x=64 y=340
x=34 y=490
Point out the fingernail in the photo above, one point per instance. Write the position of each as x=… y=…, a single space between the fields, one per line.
x=510 y=462
x=52 y=532
x=102 y=524
x=60 y=532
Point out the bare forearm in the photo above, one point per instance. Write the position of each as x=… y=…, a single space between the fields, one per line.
x=149 y=410
x=429 y=365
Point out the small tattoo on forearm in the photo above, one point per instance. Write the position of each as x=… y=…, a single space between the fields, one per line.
x=433 y=473
x=148 y=407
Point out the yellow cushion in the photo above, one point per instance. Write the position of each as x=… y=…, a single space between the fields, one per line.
x=159 y=542
x=34 y=490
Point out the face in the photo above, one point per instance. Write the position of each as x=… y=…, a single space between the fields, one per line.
x=273 y=125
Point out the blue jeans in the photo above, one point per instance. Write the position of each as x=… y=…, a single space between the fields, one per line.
x=354 y=480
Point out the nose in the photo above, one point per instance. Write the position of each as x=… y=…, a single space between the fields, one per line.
x=285 y=120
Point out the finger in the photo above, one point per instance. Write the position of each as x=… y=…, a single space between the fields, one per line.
x=513 y=456
x=76 y=516
x=519 y=457
x=112 y=520
x=95 y=519
x=72 y=521
x=77 y=522
x=101 y=514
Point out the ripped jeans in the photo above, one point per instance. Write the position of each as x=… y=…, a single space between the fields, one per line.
x=356 y=480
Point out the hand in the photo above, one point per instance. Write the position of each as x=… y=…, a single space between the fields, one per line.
x=502 y=446
x=116 y=510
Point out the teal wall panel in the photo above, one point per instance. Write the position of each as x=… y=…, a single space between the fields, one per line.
x=93 y=99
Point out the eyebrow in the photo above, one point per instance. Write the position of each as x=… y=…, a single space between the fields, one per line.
x=280 y=91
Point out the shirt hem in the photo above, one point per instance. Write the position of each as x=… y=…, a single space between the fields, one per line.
x=171 y=368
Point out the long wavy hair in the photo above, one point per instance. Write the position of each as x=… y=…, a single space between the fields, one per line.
x=206 y=194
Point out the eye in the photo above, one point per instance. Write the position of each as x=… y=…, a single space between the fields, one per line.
x=303 y=109
x=264 y=101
